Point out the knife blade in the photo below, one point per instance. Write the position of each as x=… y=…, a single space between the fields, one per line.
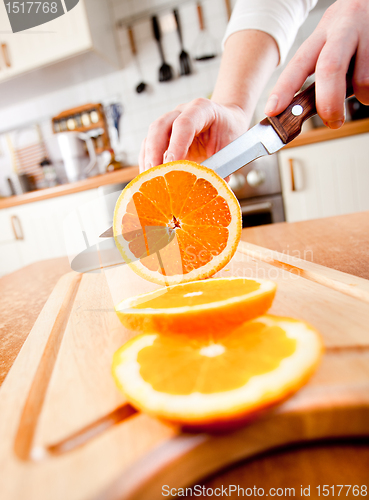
x=105 y=254
x=260 y=140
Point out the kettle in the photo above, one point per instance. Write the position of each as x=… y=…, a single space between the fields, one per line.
x=67 y=151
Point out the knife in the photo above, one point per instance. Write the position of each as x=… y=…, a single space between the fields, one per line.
x=270 y=135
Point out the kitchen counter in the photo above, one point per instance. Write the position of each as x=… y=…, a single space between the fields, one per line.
x=326 y=134
x=125 y=174
x=338 y=242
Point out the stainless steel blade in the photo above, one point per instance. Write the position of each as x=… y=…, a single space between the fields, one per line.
x=105 y=254
x=109 y=233
x=260 y=140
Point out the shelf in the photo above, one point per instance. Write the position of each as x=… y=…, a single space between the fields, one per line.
x=125 y=174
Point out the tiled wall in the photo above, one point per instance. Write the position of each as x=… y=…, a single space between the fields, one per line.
x=139 y=110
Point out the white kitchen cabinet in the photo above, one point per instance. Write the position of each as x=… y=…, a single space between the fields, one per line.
x=330 y=178
x=86 y=28
x=35 y=231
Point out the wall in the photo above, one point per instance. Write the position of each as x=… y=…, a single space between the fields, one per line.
x=43 y=93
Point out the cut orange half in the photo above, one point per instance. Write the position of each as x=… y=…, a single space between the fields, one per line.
x=177 y=222
x=210 y=305
x=205 y=382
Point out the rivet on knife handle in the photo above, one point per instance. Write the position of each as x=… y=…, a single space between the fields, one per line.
x=288 y=123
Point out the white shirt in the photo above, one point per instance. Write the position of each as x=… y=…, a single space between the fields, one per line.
x=279 y=18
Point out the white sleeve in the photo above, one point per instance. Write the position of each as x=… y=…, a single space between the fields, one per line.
x=279 y=18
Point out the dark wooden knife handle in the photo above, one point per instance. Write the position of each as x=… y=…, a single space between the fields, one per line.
x=288 y=123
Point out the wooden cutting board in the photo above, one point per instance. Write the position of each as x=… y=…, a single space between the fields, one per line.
x=66 y=432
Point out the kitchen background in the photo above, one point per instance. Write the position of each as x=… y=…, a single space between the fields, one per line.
x=85 y=56
x=38 y=95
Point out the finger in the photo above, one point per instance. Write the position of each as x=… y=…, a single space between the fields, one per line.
x=330 y=77
x=361 y=72
x=158 y=138
x=195 y=118
x=294 y=75
x=141 y=157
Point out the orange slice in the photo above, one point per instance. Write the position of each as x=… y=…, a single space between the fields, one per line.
x=189 y=208
x=208 y=381
x=210 y=305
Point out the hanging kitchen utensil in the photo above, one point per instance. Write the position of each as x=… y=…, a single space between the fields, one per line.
x=184 y=58
x=205 y=45
x=165 y=71
x=142 y=85
x=114 y=112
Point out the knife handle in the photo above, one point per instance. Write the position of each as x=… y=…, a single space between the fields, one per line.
x=288 y=123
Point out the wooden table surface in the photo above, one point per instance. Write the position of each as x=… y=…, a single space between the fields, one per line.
x=339 y=242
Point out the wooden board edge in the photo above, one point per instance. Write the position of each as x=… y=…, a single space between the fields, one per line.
x=183 y=460
x=348 y=284
x=31 y=370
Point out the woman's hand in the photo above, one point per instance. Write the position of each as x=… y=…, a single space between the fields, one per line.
x=193 y=131
x=199 y=129
x=342 y=32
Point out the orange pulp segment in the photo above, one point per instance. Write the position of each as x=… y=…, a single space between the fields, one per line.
x=213 y=305
x=191 y=204
x=209 y=381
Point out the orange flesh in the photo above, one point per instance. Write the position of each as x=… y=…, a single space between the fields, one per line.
x=180 y=201
x=197 y=293
x=177 y=365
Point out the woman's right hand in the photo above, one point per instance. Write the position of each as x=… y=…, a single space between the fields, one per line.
x=193 y=131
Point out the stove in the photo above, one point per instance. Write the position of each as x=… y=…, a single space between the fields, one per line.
x=258 y=189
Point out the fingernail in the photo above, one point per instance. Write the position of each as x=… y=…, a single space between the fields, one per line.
x=335 y=124
x=271 y=104
x=168 y=157
x=148 y=165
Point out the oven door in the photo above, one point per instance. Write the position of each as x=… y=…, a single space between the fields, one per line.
x=262 y=210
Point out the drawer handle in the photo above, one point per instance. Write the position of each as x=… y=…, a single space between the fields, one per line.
x=256 y=207
x=4 y=48
x=17 y=227
x=292 y=172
